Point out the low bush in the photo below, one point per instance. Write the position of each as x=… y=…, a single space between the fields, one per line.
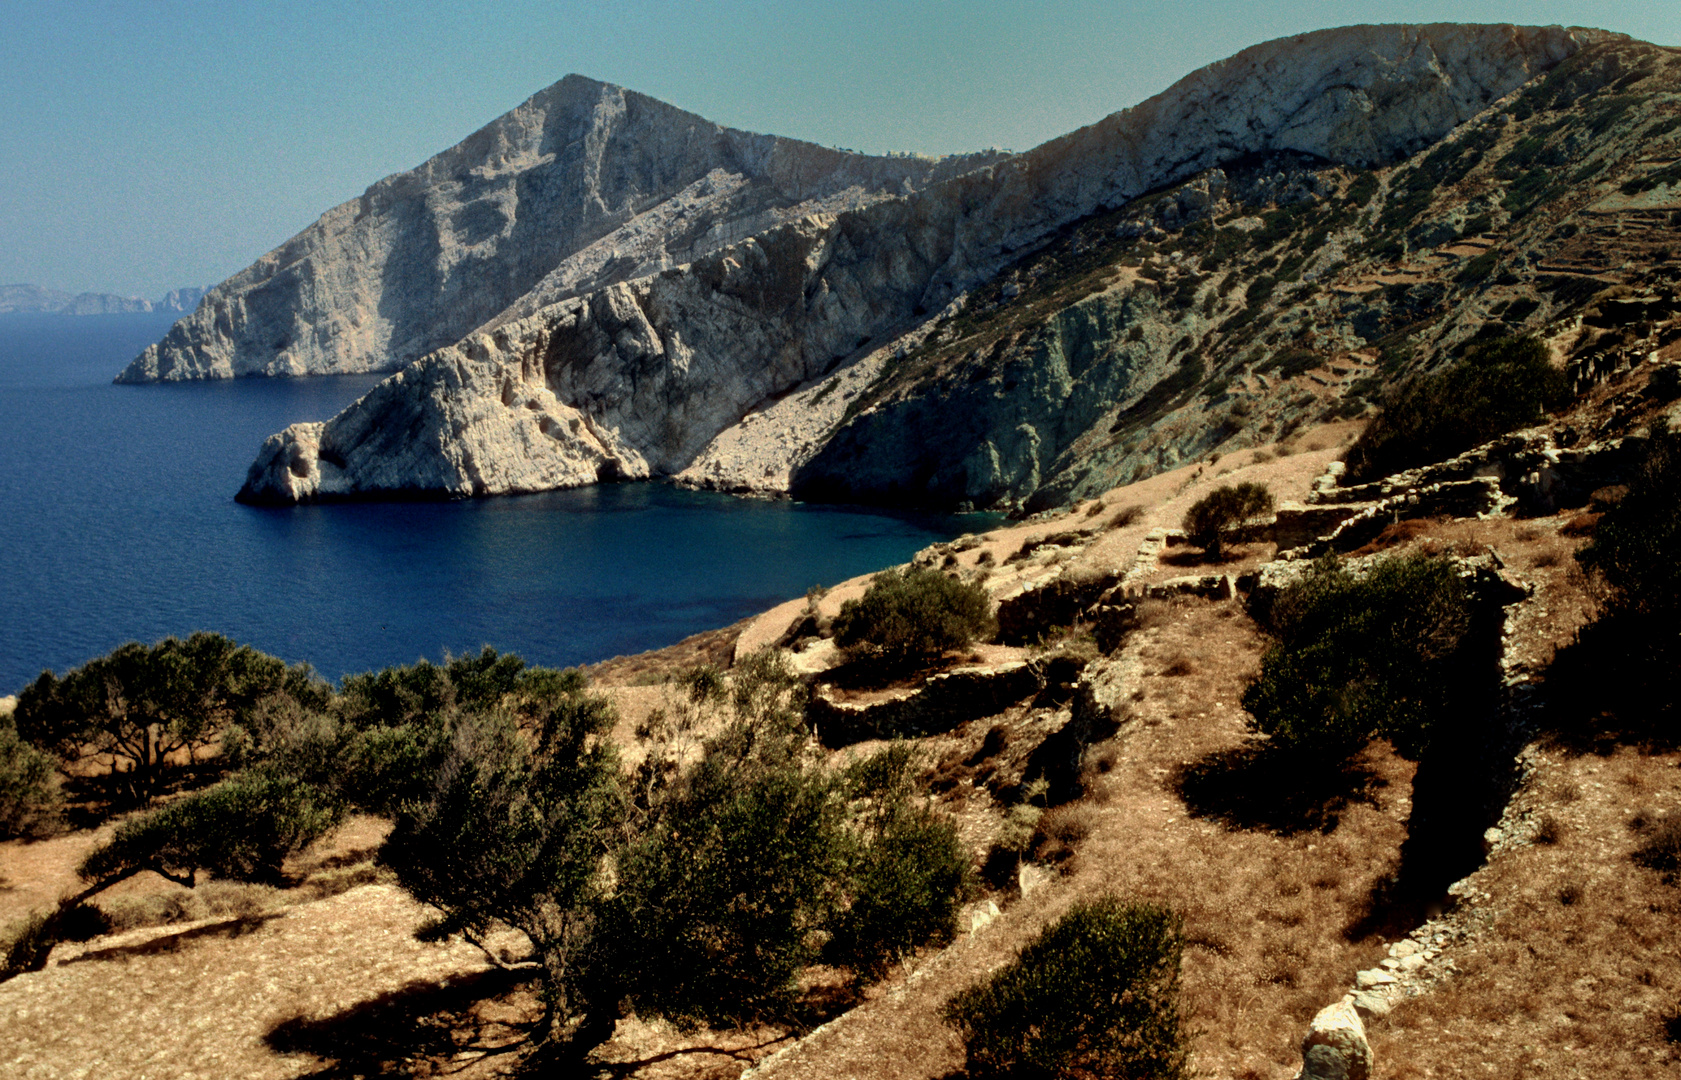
x=1661 y=849
x=25 y=943
x=243 y=828
x=1384 y=654
x=1095 y=994
x=1619 y=673
x=30 y=799
x=908 y=880
x=1498 y=387
x=1207 y=520
x=910 y=616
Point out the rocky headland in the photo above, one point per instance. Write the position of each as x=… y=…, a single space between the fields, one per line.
x=1083 y=255
x=582 y=186
x=37 y=300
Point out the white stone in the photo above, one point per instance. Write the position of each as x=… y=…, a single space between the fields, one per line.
x=1336 y=1046
x=1366 y=980
x=1371 y=1003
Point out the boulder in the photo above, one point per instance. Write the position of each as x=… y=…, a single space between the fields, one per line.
x=1336 y=1046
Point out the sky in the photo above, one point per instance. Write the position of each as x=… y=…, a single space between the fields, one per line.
x=151 y=144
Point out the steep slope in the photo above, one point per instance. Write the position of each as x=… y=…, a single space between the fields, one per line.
x=583 y=185
x=637 y=379
x=1282 y=290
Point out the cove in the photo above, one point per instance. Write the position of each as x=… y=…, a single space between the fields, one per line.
x=117 y=523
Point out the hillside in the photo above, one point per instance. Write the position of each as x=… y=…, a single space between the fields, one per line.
x=675 y=372
x=1540 y=950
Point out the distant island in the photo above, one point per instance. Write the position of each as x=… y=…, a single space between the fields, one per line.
x=37 y=300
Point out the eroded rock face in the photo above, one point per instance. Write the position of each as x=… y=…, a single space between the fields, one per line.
x=583 y=185
x=661 y=364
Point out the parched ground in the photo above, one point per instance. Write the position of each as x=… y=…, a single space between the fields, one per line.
x=1560 y=961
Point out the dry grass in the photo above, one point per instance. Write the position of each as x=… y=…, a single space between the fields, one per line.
x=1573 y=972
x=1570 y=969
x=712 y=647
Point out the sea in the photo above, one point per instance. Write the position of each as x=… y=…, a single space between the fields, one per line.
x=118 y=523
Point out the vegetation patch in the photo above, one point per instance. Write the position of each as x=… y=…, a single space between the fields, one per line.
x=1095 y=994
x=1229 y=505
x=908 y=617
x=1498 y=387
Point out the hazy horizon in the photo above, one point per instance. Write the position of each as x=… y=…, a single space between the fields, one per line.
x=171 y=144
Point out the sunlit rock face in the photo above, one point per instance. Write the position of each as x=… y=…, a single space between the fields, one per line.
x=600 y=285
x=583 y=185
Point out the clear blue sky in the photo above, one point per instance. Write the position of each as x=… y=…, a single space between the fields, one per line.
x=145 y=145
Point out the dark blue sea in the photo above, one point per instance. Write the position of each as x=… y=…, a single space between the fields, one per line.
x=117 y=523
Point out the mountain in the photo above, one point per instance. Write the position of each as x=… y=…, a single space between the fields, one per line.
x=35 y=300
x=582 y=186
x=1011 y=336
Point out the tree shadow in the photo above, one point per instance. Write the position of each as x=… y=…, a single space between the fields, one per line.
x=1257 y=786
x=616 y=1070
x=422 y=1019
x=1457 y=794
x=173 y=942
x=1195 y=556
x=1614 y=686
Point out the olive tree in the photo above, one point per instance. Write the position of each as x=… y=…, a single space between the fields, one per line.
x=1207 y=520
x=146 y=706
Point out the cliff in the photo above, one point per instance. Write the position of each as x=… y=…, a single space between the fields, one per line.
x=582 y=186
x=662 y=361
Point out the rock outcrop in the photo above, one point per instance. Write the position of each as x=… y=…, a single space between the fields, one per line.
x=1336 y=1046
x=582 y=186
x=778 y=283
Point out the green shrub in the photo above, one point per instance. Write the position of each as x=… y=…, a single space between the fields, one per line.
x=1096 y=994
x=29 y=794
x=1385 y=654
x=243 y=828
x=1632 y=653
x=910 y=616
x=1209 y=517
x=1498 y=387
x=25 y=943
x=736 y=866
x=909 y=874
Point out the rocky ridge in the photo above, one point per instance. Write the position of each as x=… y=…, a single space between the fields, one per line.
x=36 y=300
x=583 y=185
x=667 y=362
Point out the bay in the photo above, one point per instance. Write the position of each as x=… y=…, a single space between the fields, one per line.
x=117 y=523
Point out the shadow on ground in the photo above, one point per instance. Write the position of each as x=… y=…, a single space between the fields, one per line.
x=1257 y=787
x=422 y=1020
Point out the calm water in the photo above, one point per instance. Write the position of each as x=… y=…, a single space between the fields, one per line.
x=117 y=522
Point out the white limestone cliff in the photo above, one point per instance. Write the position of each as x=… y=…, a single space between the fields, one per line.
x=582 y=185
x=658 y=367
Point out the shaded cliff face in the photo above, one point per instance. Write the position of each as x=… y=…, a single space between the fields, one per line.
x=663 y=364
x=1284 y=290
x=583 y=185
